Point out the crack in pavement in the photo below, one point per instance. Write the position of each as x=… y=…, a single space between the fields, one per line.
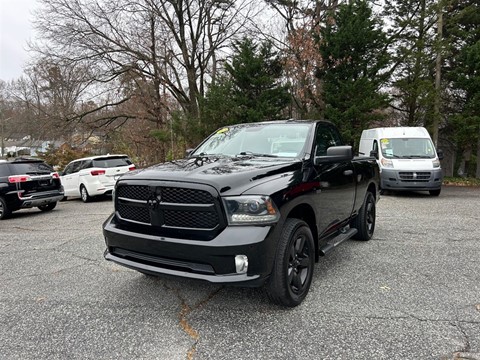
x=466 y=339
x=464 y=356
x=187 y=310
x=25 y=229
x=405 y=315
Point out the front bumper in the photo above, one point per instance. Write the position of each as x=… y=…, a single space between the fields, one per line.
x=411 y=180
x=213 y=260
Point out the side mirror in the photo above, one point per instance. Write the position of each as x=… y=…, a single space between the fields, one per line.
x=374 y=153
x=335 y=154
x=440 y=154
x=188 y=152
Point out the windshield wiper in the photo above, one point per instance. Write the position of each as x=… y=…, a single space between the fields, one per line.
x=204 y=154
x=249 y=153
x=417 y=157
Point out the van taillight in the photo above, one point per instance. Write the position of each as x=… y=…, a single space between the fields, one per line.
x=55 y=175
x=97 y=172
x=131 y=168
x=19 y=178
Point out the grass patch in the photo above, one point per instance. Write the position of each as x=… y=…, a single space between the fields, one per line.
x=460 y=181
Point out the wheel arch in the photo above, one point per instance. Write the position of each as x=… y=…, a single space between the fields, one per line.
x=373 y=189
x=305 y=212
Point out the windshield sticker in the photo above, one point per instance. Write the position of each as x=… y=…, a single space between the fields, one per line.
x=386 y=147
x=221 y=131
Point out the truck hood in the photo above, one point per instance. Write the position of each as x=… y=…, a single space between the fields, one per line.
x=229 y=175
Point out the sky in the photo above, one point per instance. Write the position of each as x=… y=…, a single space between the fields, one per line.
x=15 y=31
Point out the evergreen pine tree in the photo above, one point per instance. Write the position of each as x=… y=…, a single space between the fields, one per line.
x=463 y=71
x=353 y=49
x=412 y=35
x=250 y=90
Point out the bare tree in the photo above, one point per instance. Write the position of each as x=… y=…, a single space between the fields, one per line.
x=137 y=49
x=303 y=21
x=47 y=95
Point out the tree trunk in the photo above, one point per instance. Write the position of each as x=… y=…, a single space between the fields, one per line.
x=477 y=173
x=466 y=156
x=438 y=76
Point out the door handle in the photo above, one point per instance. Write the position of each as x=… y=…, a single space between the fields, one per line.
x=348 y=172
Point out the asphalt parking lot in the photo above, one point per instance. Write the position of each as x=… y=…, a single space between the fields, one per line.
x=412 y=292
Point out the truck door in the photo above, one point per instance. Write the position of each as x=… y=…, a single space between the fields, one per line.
x=336 y=195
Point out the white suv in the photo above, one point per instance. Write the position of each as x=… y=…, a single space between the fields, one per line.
x=93 y=176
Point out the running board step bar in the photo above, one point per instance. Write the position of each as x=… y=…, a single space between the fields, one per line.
x=337 y=240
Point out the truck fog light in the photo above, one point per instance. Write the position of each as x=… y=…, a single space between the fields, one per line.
x=241 y=264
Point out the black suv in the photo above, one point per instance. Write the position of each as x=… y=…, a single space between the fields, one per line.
x=27 y=183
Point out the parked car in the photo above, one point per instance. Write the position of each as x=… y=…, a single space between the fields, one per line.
x=93 y=176
x=253 y=204
x=28 y=183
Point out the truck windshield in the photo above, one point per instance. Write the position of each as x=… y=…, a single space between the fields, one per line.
x=407 y=148
x=271 y=140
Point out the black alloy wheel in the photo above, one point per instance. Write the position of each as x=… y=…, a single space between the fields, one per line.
x=364 y=222
x=294 y=263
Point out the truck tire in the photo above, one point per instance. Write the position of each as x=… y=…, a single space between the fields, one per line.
x=292 y=271
x=364 y=222
x=4 y=210
x=435 y=192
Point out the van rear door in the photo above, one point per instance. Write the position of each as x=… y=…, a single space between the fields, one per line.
x=112 y=167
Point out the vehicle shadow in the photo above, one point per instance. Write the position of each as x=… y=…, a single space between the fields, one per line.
x=28 y=213
x=406 y=194
x=98 y=198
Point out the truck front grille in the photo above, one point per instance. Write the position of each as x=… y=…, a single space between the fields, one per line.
x=135 y=213
x=186 y=196
x=137 y=192
x=169 y=208
x=419 y=176
x=191 y=219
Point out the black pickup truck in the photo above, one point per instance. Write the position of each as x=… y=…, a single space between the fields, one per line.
x=254 y=204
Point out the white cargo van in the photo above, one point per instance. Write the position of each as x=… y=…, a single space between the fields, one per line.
x=406 y=156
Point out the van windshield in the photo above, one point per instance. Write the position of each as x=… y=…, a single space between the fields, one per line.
x=407 y=148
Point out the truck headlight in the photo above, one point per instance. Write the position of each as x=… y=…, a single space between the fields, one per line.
x=250 y=209
x=436 y=163
x=387 y=163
